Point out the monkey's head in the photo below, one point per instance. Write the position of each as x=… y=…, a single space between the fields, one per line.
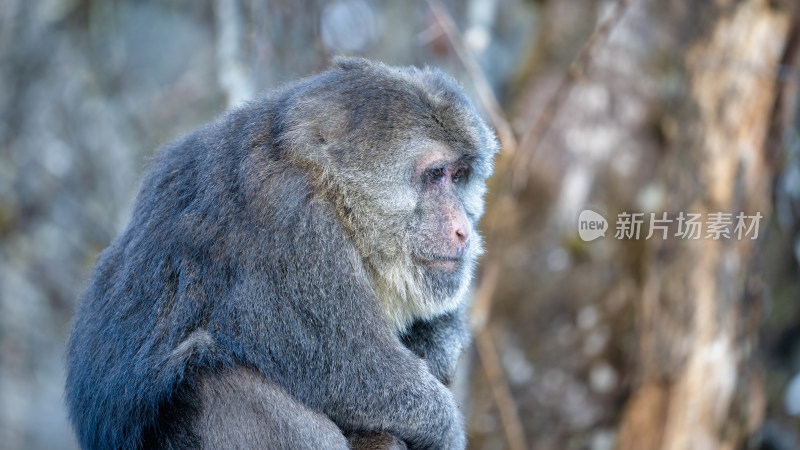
x=403 y=156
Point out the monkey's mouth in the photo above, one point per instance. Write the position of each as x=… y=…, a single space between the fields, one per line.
x=443 y=263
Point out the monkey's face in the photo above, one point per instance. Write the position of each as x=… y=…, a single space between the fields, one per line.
x=403 y=156
x=443 y=242
x=443 y=230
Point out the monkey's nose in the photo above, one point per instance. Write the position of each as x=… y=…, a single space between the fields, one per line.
x=462 y=234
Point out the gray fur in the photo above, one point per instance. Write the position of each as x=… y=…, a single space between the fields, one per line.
x=281 y=282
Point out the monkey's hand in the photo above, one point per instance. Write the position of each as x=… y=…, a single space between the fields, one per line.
x=439 y=341
x=375 y=441
x=401 y=397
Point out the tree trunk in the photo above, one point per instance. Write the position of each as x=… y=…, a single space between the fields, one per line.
x=636 y=343
x=695 y=388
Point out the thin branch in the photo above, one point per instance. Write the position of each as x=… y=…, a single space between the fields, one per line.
x=515 y=436
x=785 y=101
x=535 y=133
x=481 y=306
x=505 y=133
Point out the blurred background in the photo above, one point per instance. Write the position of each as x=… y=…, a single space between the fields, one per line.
x=611 y=105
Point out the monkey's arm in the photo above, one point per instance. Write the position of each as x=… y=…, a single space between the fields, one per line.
x=360 y=375
x=304 y=314
x=439 y=341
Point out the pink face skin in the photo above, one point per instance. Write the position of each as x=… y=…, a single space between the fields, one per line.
x=445 y=227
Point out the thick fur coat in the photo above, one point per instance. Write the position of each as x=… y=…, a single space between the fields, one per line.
x=264 y=294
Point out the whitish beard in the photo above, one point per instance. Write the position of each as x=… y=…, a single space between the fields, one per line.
x=408 y=292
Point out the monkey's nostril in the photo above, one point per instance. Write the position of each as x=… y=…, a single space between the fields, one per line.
x=462 y=235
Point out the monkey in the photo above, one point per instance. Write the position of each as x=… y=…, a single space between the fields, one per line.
x=293 y=275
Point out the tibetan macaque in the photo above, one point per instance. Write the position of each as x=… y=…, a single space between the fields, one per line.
x=293 y=275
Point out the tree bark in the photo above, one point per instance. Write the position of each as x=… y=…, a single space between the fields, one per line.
x=645 y=343
x=696 y=389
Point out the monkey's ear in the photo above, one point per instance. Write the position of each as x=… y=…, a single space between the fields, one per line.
x=351 y=63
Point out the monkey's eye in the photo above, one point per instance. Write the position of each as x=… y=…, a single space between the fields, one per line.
x=436 y=174
x=460 y=175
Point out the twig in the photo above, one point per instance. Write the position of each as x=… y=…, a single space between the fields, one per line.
x=786 y=94
x=515 y=436
x=535 y=133
x=508 y=140
x=483 y=295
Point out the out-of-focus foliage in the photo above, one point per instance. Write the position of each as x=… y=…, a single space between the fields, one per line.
x=90 y=88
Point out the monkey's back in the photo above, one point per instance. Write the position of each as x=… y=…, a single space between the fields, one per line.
x=146 y=320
